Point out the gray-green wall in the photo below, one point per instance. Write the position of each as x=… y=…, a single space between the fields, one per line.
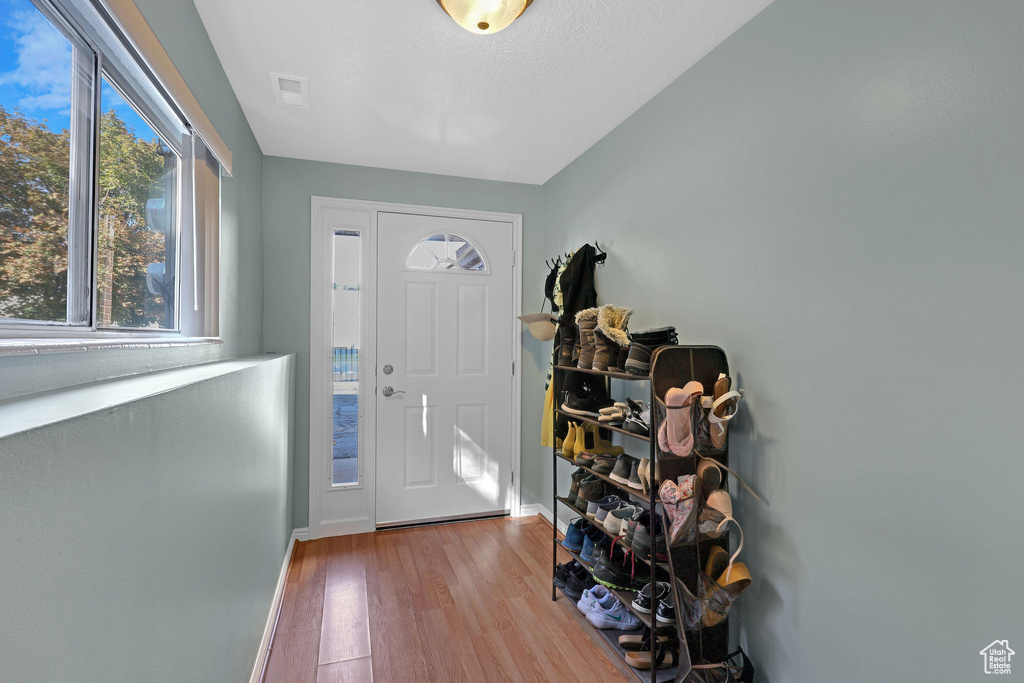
x=288 y=185
x=143 y=542
x=833 y=195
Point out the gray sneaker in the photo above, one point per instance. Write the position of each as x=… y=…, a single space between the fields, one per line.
x=613 y=522
x=621 y=471
x=608 y=508
x=634 y=477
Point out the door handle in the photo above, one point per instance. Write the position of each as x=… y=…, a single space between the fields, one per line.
x=390 y=391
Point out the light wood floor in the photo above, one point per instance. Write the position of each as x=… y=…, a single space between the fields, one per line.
x=459 y=602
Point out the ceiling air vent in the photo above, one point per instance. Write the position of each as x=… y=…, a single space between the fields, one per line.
x=291 y=91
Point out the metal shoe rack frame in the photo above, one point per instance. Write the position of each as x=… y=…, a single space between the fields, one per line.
x=678 y=365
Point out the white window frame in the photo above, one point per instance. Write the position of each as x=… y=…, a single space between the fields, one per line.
x=98 y=29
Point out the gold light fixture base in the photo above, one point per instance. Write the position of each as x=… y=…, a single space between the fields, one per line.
x=484 y=16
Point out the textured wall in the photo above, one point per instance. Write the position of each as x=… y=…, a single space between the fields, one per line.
x=143 y=542
x=833 y=195
x=179 y=29
x=288 y=185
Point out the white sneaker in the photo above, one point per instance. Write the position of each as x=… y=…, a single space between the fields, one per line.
x=616 y=617
x=593 y=597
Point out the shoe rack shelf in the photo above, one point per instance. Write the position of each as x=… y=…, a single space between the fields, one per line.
x=706 y=644
x=604 y=373
x=600 y=527
x=650 y=501
x=624 y=596
x=602 y=425
x=638 y=495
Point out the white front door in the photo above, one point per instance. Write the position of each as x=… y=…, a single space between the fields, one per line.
x=444 y=367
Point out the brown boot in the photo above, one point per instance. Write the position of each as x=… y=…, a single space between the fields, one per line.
x=586 y=320
x=620 y=362
x=566 y=339
x=610 y=335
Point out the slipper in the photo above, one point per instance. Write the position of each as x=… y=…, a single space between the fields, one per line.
x=722 y=411
x=675 y=434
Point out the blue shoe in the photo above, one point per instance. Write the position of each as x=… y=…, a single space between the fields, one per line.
x=587 y=553
x=593 y=540
x=574 y=535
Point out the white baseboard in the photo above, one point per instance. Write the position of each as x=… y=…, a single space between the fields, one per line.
x=275 y=606
x=541 y=509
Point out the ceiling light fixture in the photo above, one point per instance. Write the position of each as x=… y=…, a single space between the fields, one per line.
x=484 y=16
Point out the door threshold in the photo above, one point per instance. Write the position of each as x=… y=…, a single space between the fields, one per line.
x=430 y=521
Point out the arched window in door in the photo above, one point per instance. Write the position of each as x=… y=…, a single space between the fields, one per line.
x=446 y=251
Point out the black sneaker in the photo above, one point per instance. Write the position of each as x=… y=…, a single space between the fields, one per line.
x=666 y=611
x=639 y=418
x=585 y=403
x=643 y=601
x=579 y=580
x=562 y=573
x=608 y=572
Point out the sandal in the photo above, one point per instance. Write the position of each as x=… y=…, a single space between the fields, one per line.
x=675 y=434
x=634 y=641
x=722 y=411
x=720 y=502
x=664 y=656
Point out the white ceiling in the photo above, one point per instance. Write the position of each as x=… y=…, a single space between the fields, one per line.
x=398 y=84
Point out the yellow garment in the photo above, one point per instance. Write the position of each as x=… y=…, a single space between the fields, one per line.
x=547 y=426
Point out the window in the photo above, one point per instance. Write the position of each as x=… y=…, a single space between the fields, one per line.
x=346 y=304
x=445 y=251
x=108 y=202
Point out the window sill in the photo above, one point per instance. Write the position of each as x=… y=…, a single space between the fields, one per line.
x=35 y=347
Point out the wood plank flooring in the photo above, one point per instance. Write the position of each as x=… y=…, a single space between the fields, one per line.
x=457 y=602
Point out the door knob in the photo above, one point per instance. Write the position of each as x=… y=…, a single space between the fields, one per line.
x=390 y=391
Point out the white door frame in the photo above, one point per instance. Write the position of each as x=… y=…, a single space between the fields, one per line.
x=320 y=345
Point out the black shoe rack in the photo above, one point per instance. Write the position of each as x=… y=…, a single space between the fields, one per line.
x=671 y=366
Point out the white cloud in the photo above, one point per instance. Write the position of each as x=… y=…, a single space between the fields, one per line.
x=44 y=63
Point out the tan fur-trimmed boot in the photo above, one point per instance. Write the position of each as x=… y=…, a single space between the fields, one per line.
x=610 y=335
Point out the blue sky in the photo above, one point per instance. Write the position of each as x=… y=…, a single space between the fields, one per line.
x=35 y=71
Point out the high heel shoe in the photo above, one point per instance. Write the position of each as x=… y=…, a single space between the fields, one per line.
x=710 y=472
x=720 y=503
x=643 y=471
x=675 y=434
x=723 y=593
